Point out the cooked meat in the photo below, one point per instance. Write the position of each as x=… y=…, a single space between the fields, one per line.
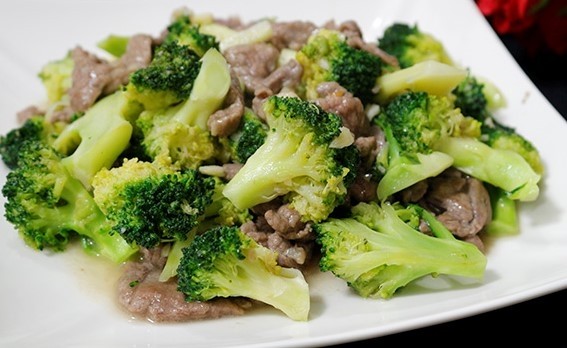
x=292 y=34
x=287 y=222
x=142 y=294
x=225 y=121
x=138 y=55
x=290 y=254
x=287 y=75
x=363 y=189
x=90 y=76
x=230 y=169
x=28 y=112
x=252 y=63
x=94 y=77
x=459 y=201
x=336 y=99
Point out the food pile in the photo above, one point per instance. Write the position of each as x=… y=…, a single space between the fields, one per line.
x=218 y=160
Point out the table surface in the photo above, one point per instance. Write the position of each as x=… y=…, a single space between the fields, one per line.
x=540 y=320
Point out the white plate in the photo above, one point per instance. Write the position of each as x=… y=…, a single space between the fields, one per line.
x=64 y=300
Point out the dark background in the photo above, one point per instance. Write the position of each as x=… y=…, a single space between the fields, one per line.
x=540 y=322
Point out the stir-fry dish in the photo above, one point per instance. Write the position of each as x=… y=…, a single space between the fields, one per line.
x=220 y=161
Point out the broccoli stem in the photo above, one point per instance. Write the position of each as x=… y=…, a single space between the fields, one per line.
x=83 y=216
x=502 y=168
x=209 y=89
x=504 y=214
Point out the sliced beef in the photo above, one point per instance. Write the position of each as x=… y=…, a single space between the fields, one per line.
x=94 y=77
x=355 y=39
x=90 y=75
x=142 y=294
x=225 y=121
x=287 y=75
x=459 y=201
x=292 y=35
x=138 y=55
x=27 y=113
x=252 y=63
x=287 y=222
x=336 y=99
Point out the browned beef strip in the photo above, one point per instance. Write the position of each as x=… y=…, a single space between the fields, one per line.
x=29 y=112
x=286 y=221
x=336 y=99
x=138 y=55
x=459 y=201
x=90 y=75
x=290 y=253
x=292 y=34
x=252 y=62
x=355 y=39
x=363 y=189
x=225 y=121
x=94 y=77
x=287 y=75
x=142 y=294
x=230 y=169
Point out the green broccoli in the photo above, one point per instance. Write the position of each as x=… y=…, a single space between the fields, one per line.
x=180 y=132
x=114 y=44
x=429 y=76
x=56 y=78
x=168 y=79
x=225 y=262
x=296 y=161
x=328 y=57
x=249 y=136
x=507 y=138
x=151 y=203
x=378 y=249
x=34 y=128
x=410 y=45
x=502 y=168
x=413 y=124
x=184 y=32
x=48 y=206
x=470 y=98
x=220 y=212
x=96 y=140
x=504 y=221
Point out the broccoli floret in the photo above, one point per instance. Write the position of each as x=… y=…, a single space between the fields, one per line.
x=179 y=132
x=470 y=98
x=184 y=32
x=168 y=79
x=48 y=206
x=328 y=57
x=220 y=212
x=151 y=203
x=249 y=136
x=503 y=168
x=97 y=139
x=35 y=128
x=378 y=249
x=225 y=262
x=56 y=78
x=413 y=123
x=410 y=45
x=296 y=161
x=507 y=138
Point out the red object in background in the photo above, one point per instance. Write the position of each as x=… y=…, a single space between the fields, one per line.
x=538 y=24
